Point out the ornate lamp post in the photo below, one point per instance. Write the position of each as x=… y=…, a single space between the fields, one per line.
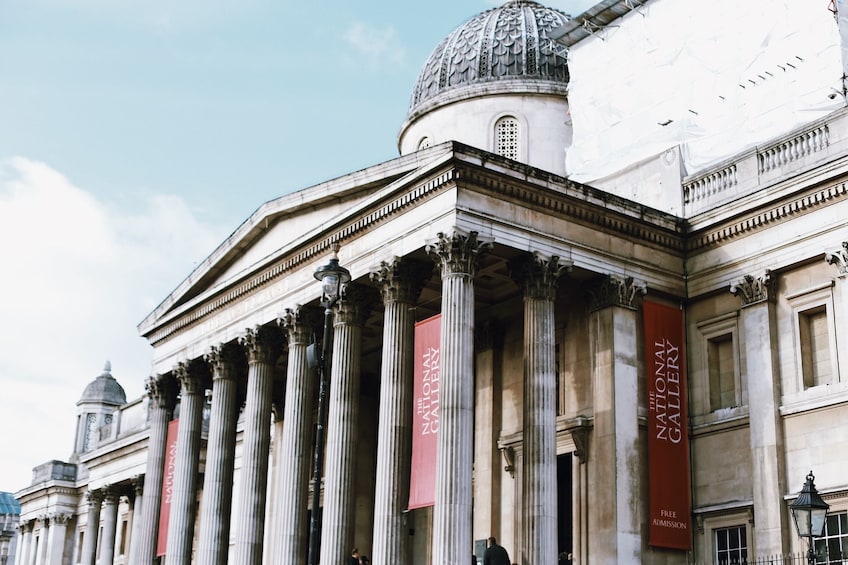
x=809 y=512
x=332 y=277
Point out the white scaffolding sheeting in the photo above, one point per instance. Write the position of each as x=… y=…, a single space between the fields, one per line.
x=713 y=77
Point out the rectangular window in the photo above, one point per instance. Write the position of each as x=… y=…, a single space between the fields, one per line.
x=832 y=547
x=722 y=369
x=731 y=545
x=123 y=537
x=816 y=363
x=80 y=540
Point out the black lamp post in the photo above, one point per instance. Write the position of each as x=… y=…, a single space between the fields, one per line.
x=332 y=277
x=809 y=512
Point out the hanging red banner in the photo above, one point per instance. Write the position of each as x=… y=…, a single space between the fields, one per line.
x=167 y=487
x=669 y=493
x=425 y=412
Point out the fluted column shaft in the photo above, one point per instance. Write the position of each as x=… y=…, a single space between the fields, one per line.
x=343 y=408
x=400 y=283
x=295 y=453
x=539 y=478
x=92 y=528
x=23 y=546
x=110 y=526
x=56 y=540
x=257 y=441
x=161 y=407
x=452 y=541
x=186 y=469
x=216 y=505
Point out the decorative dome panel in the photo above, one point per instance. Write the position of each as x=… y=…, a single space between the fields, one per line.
x=505 y=48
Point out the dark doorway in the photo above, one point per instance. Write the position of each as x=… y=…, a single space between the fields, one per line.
x=565 y=505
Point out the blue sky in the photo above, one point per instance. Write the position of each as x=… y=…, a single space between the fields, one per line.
x=136 y=135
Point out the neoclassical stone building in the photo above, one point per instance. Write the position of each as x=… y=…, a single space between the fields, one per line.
x=552 y=405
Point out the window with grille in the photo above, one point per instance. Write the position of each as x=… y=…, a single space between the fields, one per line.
x=506 y=137
x=816 y=364
x=832 y=547
x=731 y=545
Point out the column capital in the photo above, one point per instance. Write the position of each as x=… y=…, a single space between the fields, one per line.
x=59 y=518
x=538 y=275
x=261 y=343
x=94 y=497
x=617 y=290
x=401 y=279
x=299 y=324
x=458 y=252
x=110 y=494
x=839 y=257
x=138 y=484
x=355 y=304
x=222 y=359
x=160 y=391
x=755 y=289
x=189 y=381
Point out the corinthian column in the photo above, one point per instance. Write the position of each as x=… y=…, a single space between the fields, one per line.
x=56 y=544
x=615 y=519
x=186 y=468
x=110 y=525
x=757 y=317
x=400 y=283
x=261 y=353
x=538 y=276
x=293 y=461
x=457 y=255
x=92 y=527
x=21 y=555
x=216 y=506
x=161 y=407
x=343 y=415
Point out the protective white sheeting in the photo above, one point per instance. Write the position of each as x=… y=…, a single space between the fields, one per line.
x=728 y=74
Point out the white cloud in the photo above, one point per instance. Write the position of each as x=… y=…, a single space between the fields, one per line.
x=377 y=46
x=78 y=274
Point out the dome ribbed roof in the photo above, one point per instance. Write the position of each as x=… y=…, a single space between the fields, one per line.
x=503 y=49
x=104 y=390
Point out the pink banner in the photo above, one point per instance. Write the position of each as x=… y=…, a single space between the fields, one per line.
x=167 y=486
x=670 y=503
x=425 y=417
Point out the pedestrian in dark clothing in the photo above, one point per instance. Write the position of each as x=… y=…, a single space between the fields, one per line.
x=354 y=557
x=495 y=554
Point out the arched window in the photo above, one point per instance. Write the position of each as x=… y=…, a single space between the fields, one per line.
x=424 y=143
x=506 y=137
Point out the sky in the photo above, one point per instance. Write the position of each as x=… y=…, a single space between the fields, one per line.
x=135 y=135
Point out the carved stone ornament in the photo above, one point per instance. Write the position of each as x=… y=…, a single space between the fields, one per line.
x=537 y=275
x=93 y=497
x=401 y=280
x=60 y=518
x=753 y=290
x=222 y=360
x=458 y=252
x=839 y=258
x=299 y=324
x=616 y=290
x=355 y=304
x=260 y=343
x=160 y=391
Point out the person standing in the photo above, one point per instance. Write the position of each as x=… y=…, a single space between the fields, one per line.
x=354 y=557
x=495 y=554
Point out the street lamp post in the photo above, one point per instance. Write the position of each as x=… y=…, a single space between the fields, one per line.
x=809 y=512
x=332 y=277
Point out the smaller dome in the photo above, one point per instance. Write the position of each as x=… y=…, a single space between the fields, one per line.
x=104 y=390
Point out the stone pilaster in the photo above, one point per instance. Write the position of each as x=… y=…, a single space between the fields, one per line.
x=342 y=415
x=161 y=407
x=136 y=510
x=216 y=505
x=399 y=282
x=56 y=539
x=261 y=351
x=22 y=554
x=539 y=276
x=614 y=517
x=94 y=498
x=758 y=295
x=295 y=445
x=110 y=525
x=457 y=255
x=186 y=467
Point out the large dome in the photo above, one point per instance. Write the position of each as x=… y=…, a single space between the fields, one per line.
x=506 y=49
x=104 y=390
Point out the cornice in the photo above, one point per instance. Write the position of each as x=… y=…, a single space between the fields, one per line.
x=318 y=248
x=748 y=223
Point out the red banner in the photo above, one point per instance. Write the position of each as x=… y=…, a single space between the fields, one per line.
x=167 y=486
x=670 y=503
x=425 y=416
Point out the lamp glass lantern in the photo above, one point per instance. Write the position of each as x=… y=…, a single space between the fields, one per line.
x=332 y=277
x=809 y=512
